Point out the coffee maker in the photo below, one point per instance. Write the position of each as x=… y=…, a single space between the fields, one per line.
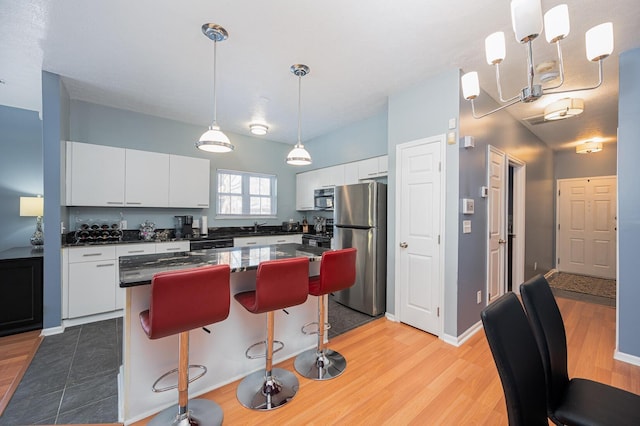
x=184 y=226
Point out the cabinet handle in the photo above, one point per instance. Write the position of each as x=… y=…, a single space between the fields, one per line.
x=172 y=249
x=91 y=254
x=203 y=205
x=137 y=203
x=115 y=202
x=252 y=243
x=281 y=241
x=371 y=174
x=104 y=265
x=135 y=251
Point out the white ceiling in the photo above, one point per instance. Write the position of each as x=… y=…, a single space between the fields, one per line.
x=150 y=56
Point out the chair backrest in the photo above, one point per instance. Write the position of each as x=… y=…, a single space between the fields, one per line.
x=337 y=270
x=281 y=283
x=517 y=360
x=548 y=329
x=187 y=299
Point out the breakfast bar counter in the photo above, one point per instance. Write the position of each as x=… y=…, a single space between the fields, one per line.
x=223 y=350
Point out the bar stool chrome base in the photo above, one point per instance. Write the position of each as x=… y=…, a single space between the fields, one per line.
x=259 y=392
x=323 y=365
x=201 y=412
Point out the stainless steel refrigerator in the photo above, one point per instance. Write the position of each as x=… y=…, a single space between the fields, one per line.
x=360 y=221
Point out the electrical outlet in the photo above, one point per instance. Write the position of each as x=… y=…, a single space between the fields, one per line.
x=479 y=297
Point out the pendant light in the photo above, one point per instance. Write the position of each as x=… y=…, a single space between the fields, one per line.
x=213 y=140
x=298 y=155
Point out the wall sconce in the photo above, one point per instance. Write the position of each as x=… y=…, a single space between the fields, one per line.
x=589 y=147
x=34 y=207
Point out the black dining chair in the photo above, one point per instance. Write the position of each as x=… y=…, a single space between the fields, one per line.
x=571 y=401
x=517 y=359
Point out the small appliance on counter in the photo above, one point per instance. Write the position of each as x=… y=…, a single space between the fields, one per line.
x=184 y=226
x=147 y=231
x=291 y=226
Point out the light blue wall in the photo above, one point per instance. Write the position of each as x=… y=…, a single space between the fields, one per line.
x=502 y=131
x=570 y=165
x=364 y=139
x=55 y=117
x=101 y=125
x=20 y=173
x=418 y=112
x=628 y=203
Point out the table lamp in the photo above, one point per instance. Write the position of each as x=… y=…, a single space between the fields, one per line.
x=34 y=207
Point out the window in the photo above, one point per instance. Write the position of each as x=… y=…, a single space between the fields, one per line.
x=246 y=194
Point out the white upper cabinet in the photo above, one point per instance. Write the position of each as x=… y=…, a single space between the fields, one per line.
x=95 y=175
x=351 y=173
x=305 y=184
x=146 y=179
x=373 y=167
x=189 y=182
x=329 y=177
x=98 y=175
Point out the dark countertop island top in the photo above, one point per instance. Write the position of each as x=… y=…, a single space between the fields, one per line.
x=21 y=253
x=138 y=270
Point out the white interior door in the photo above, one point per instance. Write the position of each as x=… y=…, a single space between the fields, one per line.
x=418 y=224
x=586 y=237
x=496 y=171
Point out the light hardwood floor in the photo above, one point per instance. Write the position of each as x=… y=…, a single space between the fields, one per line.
x=397 y=375
x=16 y=353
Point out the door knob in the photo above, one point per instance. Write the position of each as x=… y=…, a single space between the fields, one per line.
x=404 y=245
x=501 y=241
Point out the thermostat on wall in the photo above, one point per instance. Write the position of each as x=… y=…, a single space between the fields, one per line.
x=467 y=206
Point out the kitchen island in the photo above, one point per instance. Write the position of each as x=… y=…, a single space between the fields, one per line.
x=222 y=351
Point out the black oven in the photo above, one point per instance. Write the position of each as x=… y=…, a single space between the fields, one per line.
x=323 y=199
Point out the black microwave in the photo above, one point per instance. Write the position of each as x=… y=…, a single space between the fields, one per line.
x=323 y=199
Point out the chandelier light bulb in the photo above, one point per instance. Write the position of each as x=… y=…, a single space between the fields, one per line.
x=526 y=18
x=599 y=40
x=470 y=85
x=494 y=46
x=556 y=23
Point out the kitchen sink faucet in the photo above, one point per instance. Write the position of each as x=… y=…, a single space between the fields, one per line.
x=256 y=225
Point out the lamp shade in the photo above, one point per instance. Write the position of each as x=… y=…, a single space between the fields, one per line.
x=299 y=156
x=589 y=147
x=213 y=140
x=564 y=108
x=31 y=206
x=526 y=18
x=556 y=23
x=494 y=48
x=470 y=85
x=599 y=40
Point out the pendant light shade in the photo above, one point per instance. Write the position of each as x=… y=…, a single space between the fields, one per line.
x=589 y=147
x=214 y=140
x=299 y=156
x=564 y=108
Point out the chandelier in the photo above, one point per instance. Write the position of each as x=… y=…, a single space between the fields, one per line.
x=526 y=19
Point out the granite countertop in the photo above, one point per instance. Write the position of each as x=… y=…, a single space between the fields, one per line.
x=138 y=270
x=21 y=253
x=132 y=236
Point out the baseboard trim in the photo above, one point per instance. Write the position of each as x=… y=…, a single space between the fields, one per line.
x=91 y=318
x=629 y=359
x=390 y=317
x=52 y=331
x=459 y=340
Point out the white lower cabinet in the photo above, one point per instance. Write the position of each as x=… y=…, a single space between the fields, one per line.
x=91 y=274
x=128 y=250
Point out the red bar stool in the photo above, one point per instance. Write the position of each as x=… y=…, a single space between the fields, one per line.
x=337 y=272
x=279 y=284
x=182 y=301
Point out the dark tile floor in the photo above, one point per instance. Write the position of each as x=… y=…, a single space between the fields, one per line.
x=343 y=318
x=72 y=378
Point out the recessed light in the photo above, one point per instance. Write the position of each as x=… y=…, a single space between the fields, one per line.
x=258 y=129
